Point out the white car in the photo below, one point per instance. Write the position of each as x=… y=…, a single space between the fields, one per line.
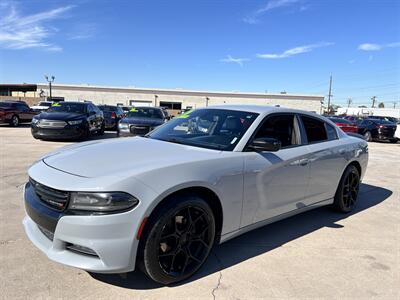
x=42 y=106
x=162 y=201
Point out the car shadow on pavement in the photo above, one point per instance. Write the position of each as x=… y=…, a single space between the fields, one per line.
x=258 y=241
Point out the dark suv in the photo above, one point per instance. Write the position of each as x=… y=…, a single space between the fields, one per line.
x=112 y=115
x=68 y=120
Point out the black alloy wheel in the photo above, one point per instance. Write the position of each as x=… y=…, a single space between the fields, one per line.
x=347 y=192
x=179 y=241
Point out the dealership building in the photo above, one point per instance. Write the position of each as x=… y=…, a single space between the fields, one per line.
x=173 y=99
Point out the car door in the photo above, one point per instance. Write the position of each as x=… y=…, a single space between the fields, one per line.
x=327 y=158
x=275 y=182
x=23 y=112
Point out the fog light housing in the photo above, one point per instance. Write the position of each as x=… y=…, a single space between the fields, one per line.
x=81 y=249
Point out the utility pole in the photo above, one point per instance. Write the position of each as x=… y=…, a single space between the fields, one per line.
x=330 y=94
x=349 y=102
x=394 y=104
x=50 y=81
x=373 y=101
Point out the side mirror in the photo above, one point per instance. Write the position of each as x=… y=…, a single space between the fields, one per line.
x=265 y=144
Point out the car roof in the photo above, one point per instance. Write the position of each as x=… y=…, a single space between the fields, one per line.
x=262 y=109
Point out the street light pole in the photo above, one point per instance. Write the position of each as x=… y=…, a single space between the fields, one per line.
x=50 y=81
x=207 y=99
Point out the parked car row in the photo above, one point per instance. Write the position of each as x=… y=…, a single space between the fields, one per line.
x=372 y=128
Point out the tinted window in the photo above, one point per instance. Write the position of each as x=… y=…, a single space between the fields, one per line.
x=145 y=112
x=280 y=127
x=338 y=120
x=68 y=107
x=107 y=108
x=6 y=104
x=315 y=129
x=331 y=132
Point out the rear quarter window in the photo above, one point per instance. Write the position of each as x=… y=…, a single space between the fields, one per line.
x=315 y=129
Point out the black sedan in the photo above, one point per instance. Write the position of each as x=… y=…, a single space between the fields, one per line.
x=140 y=121
x=377 y=130
x=68 y=120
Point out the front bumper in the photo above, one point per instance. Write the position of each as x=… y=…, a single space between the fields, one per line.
x=111 y=237
x=68 y=132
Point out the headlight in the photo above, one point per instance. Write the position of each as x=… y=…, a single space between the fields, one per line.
x=123 y=125
x=102 y=202
x=34 y=120
x=75 y=122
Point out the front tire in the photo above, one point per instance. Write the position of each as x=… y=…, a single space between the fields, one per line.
x=347 y=191
x=177 y=239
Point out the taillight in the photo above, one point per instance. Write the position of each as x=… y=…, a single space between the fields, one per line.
x=113 y=115
x=381 y=126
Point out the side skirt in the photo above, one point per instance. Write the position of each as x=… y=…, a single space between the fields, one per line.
x=233 y=234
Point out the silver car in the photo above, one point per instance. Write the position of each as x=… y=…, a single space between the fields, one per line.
x=161 y=202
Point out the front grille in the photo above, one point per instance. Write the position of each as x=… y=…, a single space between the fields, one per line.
x=54 y=198
x=51 y=124
x=139 y=130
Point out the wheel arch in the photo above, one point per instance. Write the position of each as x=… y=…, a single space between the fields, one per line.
x=357 y=165
x=206 y=193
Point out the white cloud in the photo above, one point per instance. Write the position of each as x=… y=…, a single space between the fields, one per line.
x=294 y=51
x=230 y=59
x=377 y=47
x=28 y=31
x=369 y=47
x=253 y=17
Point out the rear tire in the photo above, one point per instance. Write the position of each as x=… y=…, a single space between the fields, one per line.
x=14 y=122
x=177 y=239
x=347 y=191
x=394 y=141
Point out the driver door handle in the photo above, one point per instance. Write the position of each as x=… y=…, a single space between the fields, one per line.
x=304 y=162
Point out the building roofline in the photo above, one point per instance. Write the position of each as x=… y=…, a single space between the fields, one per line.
x=182 y=92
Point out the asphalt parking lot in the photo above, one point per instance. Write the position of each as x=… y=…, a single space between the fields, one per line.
x=319 y=254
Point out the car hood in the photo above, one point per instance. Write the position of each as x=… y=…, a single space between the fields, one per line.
x=62 y=116
x=143 y=121
x=120 y=157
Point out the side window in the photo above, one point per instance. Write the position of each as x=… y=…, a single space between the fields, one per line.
x=315 y=129
x=22 y=107
x=89 y=108
x=331 y=132
x=284 y=128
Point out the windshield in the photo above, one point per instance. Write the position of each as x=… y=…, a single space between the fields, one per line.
x=145 y=112
x=207 y=128
x=78 y=108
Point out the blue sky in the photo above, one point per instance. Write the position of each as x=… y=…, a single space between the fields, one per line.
x=256 y=46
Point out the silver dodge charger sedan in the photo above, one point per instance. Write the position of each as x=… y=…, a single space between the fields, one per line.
x=160 y=202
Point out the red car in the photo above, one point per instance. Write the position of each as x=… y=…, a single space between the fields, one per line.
x=15 y=112
x=345 y=125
